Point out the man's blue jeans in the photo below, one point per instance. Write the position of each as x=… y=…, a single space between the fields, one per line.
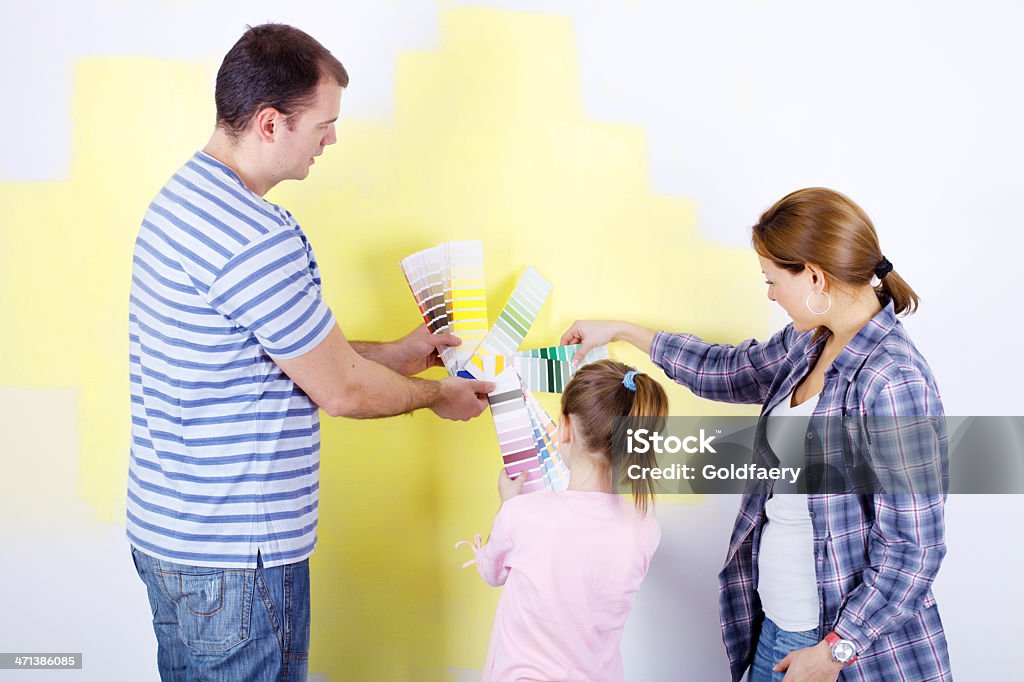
x=228 y=624
x=773 y=645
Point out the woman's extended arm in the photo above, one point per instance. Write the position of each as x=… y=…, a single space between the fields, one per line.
x=716 y=371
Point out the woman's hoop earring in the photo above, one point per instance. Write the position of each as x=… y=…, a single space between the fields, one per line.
x=807 y=302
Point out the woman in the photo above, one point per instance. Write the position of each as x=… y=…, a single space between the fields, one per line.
x=830 y=583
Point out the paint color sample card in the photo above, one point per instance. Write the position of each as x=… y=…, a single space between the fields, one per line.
x=515 y=430
x=548 y=370
x=447 y=282
x=426 y=273
x=465 y=297
x=556 y=473
x=512 y=325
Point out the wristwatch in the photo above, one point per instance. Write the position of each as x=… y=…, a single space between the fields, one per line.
x=843 y=650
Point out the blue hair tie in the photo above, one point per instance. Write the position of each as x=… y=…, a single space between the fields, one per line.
x=627 y=380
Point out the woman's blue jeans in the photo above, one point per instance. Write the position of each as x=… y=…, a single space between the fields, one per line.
x=228 y=624
x=773 y=645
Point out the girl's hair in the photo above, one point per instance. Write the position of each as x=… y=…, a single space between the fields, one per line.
x=821 y=226
x=603 y=409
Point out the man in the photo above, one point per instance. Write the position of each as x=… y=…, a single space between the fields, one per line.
x=232 y=352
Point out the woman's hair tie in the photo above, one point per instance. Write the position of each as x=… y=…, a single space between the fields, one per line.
x=883 y=268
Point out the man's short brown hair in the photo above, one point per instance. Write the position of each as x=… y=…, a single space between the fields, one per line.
x=271 y=65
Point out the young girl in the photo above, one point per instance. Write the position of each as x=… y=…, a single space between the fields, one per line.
x=572 y=561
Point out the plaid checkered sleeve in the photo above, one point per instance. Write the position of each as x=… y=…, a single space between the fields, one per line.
x=907 y=437
x=732 y=374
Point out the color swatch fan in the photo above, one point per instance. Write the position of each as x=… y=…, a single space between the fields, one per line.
x=447 y=282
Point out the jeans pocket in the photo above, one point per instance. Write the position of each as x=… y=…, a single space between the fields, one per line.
x=144 y=569
x=213 y=606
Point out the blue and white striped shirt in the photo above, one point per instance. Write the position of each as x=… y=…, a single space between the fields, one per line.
x=225 y=451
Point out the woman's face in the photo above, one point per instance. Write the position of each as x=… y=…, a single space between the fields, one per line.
x=791 y=290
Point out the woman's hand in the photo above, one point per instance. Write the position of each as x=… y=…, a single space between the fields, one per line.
x=593 y=333
x=510 y=487
x=811 y=664
x=590 y=334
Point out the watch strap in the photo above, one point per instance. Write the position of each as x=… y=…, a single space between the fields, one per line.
x=831 y=639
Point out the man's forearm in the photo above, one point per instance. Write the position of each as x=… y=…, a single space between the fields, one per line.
x=382 y=353
x=345 y=383
x=381 y=392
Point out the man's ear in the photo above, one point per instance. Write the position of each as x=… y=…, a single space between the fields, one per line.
x=266 y=123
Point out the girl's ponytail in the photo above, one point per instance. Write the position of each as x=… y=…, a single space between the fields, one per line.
x=605 y=400
x=648 y=411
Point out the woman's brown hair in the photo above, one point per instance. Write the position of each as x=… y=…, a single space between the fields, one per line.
x=597 y=398
x=821 y=226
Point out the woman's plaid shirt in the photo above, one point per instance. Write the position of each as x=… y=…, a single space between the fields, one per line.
x=876 y=554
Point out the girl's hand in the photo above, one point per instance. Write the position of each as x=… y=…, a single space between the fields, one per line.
x=510 y=487
x=590 y=334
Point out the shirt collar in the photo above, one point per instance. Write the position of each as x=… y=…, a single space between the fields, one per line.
x=208 y=160
x=852 y=357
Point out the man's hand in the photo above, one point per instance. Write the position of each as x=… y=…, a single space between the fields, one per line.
x=419 y=350
x=811 y=664
x=509 y=487
x=461 y=399
x=343 y=381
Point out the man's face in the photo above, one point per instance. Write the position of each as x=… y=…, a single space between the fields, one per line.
x=307 y=133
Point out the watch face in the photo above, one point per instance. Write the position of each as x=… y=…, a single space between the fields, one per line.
x=843 y=651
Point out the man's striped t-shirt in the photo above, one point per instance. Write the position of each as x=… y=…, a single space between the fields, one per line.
x=225 y=449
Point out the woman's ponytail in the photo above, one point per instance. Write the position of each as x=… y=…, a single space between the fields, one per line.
x=904 y=299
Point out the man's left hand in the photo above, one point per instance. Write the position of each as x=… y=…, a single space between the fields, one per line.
x=418 y=350
x=811 y=664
